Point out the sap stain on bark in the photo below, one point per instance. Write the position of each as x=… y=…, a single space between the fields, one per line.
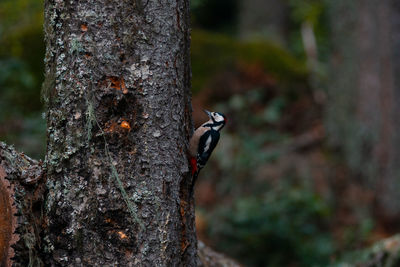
x=25 y=182
x=8 y=221
x=107 y=73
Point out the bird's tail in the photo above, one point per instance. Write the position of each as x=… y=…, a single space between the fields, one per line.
x=195 y=175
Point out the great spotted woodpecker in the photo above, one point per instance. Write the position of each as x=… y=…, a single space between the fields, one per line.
x=203 y=142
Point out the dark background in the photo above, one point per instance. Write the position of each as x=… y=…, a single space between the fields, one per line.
x=306 y=169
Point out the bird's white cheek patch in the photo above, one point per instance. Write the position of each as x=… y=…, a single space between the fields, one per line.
x=219 y=118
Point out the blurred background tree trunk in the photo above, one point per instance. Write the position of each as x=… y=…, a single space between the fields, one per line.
x=266 y=18
x=364 y=97
x=119 y=117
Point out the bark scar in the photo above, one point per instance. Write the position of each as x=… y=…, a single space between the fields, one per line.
x=8 y=220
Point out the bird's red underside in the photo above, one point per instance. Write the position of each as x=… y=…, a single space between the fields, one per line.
x=193 y=163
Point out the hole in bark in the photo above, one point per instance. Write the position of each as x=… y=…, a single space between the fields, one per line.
x=112 y=226
x=59 y=224
x=116 y=110
x=37 y=207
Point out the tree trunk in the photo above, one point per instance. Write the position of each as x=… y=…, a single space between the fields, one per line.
x=22 y=191
x=117 y=194
x=119 y=118
x=363 y=112
x=22 y=188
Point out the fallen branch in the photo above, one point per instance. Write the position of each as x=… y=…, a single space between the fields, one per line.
x=210 y=258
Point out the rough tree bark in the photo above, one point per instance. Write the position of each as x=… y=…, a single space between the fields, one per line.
x=22 y=224
x=22 y=187
x=363 y=111
x=114 y=189
x=118 y=93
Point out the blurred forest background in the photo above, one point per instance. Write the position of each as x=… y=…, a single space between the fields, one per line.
x=307 y=171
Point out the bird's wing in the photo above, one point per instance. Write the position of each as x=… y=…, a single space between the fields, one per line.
x=210 y=140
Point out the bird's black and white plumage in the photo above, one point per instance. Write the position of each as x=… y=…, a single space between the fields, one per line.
x=204 y=140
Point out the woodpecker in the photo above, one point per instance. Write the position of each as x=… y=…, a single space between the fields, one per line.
x=204 y=140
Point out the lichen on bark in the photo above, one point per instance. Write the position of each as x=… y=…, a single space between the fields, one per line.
x=22 y=194
x=117 y=83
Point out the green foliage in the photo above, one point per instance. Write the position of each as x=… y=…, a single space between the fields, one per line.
x=21 y=34
x=284 y=226
x=21 y=75
x=17 y=84
x=273 y=112
x=269 y=223
x=21 y=52
x=307 y=10
x=241 y=153
x=313 y=12
x=215 y=52
x=21 y=123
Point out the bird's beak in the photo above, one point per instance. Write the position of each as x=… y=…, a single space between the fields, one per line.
x=208 y=113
